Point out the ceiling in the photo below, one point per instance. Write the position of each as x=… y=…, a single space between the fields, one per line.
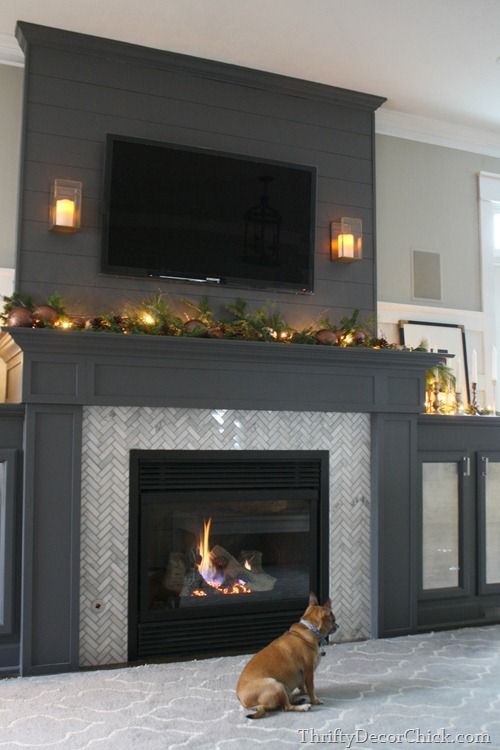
x=436 y=61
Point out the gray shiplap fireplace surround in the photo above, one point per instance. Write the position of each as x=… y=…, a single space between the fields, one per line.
x=77 y=402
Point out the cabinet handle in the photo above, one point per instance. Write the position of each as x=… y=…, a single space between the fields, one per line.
x=485 y=461
x=466 y=462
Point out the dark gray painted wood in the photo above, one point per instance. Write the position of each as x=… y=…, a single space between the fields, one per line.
x=78 y=367
x=51 y=539
x=395 y=441
x=8 y=546
x=11 y=441
x=466 y=434
x=78 y=89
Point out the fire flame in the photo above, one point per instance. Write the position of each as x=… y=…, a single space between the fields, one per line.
x=207 y=569
x=247 y=565
x=209 y=572
x=236 y=588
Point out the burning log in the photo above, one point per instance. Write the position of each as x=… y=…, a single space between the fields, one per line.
x=257 y=581
x=221 y=571
x=251 y=559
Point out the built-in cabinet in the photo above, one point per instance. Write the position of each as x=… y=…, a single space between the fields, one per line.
x=458 y=522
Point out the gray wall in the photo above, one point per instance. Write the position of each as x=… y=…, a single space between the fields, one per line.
x=427 y=199
x=10 y=135
x=79 y=88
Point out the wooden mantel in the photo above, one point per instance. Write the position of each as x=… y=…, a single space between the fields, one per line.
x=95 y=368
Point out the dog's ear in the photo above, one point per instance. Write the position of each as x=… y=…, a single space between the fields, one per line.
x=313 y=600
x=328 y=605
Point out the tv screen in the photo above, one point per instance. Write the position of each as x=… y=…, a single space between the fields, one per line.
x=184 y=213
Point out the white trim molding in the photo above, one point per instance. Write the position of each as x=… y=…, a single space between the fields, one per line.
x=393 y=312
x=10 y=51
x=437 y=132
x=489 y=199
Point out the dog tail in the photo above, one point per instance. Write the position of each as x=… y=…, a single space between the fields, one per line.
x=260 y=712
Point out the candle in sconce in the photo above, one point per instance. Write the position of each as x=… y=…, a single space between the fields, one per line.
x=346 y=245
x=474 y=366
x=65 y=213
x=494 y=364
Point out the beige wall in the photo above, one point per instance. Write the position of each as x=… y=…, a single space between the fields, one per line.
x=427 y=199
x=10 y=131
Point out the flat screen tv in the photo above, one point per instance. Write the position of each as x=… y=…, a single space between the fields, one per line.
x=191 y=214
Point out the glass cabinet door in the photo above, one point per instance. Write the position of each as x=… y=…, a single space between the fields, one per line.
x=443 y=558
x=489 y=522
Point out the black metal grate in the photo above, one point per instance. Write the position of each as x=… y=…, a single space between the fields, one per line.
x=200 y=635
x=162 y=476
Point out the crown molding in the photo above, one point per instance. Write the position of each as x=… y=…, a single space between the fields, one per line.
x=33 y=34
x=437 y=132
x=10 y=52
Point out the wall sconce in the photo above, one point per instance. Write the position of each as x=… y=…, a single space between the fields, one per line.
x=346 y=240
x=65 y=206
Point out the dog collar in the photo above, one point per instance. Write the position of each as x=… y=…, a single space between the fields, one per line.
x=321 y=638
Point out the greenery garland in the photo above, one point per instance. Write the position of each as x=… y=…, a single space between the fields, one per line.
x=155 y=316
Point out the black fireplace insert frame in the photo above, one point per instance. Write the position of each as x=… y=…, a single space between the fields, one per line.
x=244 y=626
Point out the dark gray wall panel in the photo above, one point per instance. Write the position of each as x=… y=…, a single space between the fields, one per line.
x=80 y=88
x=11 y=443
x=8 y=542
x=86 y=267
x=395 y=440
x=91 y=99
x=51 y=527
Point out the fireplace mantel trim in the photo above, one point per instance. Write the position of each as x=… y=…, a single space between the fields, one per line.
x=71 y=367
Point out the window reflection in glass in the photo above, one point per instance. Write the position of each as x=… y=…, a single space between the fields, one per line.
x=440 y=525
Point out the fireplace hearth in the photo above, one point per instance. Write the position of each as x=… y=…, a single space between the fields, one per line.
x=225 y=547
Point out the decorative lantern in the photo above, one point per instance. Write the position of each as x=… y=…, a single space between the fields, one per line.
x=65 y=206
x=346 y=240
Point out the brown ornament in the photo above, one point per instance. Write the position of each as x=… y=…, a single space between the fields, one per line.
x=195 y=327
x=79 y=322
x=20 y=317
x=216 y=333
x=45 y=314
x=325 y=336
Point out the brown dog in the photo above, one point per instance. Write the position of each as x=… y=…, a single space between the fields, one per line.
x=288 y=663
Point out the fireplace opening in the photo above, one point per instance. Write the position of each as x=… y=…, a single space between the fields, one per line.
x=225 y=547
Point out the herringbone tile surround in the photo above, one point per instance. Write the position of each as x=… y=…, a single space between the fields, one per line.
x=109 y=433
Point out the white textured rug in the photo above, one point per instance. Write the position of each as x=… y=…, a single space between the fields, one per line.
x=418 y=691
